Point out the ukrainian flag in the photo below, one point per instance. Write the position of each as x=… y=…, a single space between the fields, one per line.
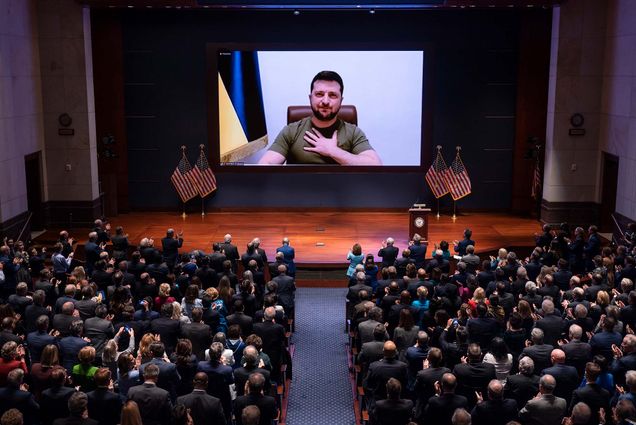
x=242 y=126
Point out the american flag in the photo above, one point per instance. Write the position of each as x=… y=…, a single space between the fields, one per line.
x=182 y=180
x=203 y=175
x=457 y=179
x=536 y=180
x=435 y=176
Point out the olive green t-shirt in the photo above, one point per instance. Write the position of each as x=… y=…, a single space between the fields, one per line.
x=290 y=141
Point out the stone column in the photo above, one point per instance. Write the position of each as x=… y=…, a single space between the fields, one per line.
x=570 y=190
x=67 y=88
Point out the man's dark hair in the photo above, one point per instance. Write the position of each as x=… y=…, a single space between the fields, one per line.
x=157 y=349
x=77 y=403
x=393 y=389
x=435 y=357
x=251 y=415
x=101 y=311
x=42 y=323
x=379 y=333
x=327 y=76
x=255 y=383
x=449 y=382
x=166 y=310
x=151 y=371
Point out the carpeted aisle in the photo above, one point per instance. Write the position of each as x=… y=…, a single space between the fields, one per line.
x=321 y=391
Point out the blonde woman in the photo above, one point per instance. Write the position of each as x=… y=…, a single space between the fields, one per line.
x=163 y=297
x=177 y=314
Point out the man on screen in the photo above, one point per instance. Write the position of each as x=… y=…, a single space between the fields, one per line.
x=322 y=138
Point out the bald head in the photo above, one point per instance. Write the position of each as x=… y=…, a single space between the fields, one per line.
x=495 y=390
x=390 y=350
x=547 y=383
x=557 y=356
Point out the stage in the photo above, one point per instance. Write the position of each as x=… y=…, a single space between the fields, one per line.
x=321 y=239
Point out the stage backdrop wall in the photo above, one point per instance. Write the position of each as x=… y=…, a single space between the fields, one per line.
x=473 y=103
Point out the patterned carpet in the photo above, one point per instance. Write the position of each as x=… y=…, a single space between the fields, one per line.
x=320 y=392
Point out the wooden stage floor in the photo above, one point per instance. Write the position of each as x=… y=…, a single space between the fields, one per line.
x=322 y=237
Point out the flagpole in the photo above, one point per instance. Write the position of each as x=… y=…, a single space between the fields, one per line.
x=202 y=198
x=457 y=148
x=437 y=208
x=183 y=214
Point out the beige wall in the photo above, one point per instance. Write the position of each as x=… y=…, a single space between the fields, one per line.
x=67 y=87
x=618 y=106
x=593 y=72
x=576 y=77
x=21 y=130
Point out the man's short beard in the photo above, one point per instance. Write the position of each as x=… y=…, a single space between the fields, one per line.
x=320 y=117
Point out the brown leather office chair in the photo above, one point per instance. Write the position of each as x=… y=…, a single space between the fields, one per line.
x=348 y=113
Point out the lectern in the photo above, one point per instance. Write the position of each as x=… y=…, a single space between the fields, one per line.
x=418 y=220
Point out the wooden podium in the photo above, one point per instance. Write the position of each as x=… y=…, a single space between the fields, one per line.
x=418 y=221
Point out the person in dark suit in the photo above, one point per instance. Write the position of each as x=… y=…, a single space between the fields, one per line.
x=219 y=377
x=372 y=351
x=497 y=410
x=169 y=378
x=474 y=375
x=551 y=324
x=204 y=409
x=273 y=336
x=54 y=400
x=418 y=248
x=483 y=328
x=538 y=351
x=393 y=410
x=424 y=386
x=120 y=244
x=567 y=378
x=99 y=329
x=440 y=408
x=524 y=385
x=252 y=254
x=217 y=258
x=388 y=252
x=624 y=358
x=286 y=291
x=103 y=404
x=288 y=255
x=575 y=250
x=254 y=396
x=602 y=342
x=10 y=267
x=438 y=262
x=260 y=251
x=460 y=246
x=170 y=247
x=241 y=319
x=167 y=327
x=78 y=412
x=71 y=345
x=577 y=352
x=12 y=396
x=230 y=251
x=154 y=403
x=62 y=321
x=592 y=393
x=198 y=333
x=360 y=285
x=242 y=374
x=381 y=371
x=471 y=260
x=37 y=340
x=92 y=249
x=545 y=409
x=592 y=247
